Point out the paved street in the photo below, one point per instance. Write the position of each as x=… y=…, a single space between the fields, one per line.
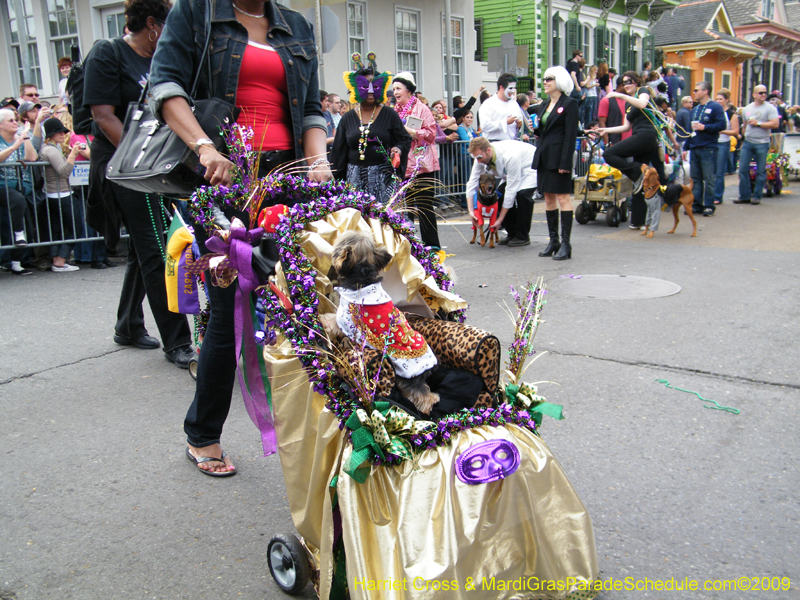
x=98 y=501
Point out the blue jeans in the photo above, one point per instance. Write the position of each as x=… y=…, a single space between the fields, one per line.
x=749 y=150
x=723 y=156
x=703 y=171
x=216 y=371
x=588 y=110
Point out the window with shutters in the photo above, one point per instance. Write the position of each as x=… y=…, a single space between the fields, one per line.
x=601 y=46
x=356 y=28
x=557 y=52
x=624 y=52
x=479 y=40
x=635 y=56
x=573 y=35
x=649 y=50
x=586 y=47
x=406 y=25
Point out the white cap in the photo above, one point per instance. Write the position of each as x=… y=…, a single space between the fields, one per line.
x=407 y=76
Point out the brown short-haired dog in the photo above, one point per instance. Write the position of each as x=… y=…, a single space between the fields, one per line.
x=674 y=195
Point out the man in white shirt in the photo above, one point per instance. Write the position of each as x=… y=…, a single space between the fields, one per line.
x=758 y=117
x=500 y=115
x=510 y=161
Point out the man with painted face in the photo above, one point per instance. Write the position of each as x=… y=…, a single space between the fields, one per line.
x=500 y=116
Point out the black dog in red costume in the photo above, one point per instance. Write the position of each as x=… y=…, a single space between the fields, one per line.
x=486 y=207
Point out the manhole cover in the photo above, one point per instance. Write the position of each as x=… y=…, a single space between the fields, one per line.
x=612 y=287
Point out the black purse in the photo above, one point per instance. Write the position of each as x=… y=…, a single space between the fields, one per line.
x=151 y=158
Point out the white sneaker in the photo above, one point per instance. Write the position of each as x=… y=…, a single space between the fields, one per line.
x=65 y=269
x=19 y=239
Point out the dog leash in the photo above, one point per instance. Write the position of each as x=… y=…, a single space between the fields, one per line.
x=717 y=406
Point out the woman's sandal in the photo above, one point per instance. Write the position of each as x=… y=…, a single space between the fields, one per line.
x=204 y=459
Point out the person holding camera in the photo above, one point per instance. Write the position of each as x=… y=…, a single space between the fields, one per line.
x=58 y=192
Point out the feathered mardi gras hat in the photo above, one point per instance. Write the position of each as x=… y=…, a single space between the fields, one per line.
x=359 y=86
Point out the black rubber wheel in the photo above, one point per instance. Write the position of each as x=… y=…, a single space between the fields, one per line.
x=582 y=214
x=193 y=367
x=288 y=563
x=612 y=216
x=624 y=211
x=593 y=211
x=770 y=190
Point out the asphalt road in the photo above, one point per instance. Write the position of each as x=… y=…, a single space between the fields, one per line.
x=97 y=500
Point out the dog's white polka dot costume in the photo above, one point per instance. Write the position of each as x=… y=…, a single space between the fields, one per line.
x=370 y=312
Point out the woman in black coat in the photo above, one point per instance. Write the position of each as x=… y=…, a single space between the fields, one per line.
x=557 y=131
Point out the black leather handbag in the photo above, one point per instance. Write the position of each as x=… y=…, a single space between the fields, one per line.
x=151 y=158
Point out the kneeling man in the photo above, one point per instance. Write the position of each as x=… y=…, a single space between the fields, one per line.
x=510 y=161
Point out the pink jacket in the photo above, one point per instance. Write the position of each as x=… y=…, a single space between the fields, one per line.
x=429 y=162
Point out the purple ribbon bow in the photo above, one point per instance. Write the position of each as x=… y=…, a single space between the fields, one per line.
x=237 y=244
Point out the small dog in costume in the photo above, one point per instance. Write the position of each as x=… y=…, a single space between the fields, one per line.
x=367 y=311
x=485 y=207
x=673 y=195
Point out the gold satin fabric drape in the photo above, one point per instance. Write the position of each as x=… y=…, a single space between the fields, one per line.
x=418 y=522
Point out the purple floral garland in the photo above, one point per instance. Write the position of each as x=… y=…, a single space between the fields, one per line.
x=241 y=154
x=303 y=328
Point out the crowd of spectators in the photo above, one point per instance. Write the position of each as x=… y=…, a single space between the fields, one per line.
x=37 y=202
x=32 y=210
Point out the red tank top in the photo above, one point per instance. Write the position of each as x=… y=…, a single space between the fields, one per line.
x=264 y=99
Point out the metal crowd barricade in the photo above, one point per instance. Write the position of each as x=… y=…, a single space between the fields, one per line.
x=455 y=166
x=48 y=221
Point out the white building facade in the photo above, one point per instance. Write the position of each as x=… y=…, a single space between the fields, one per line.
x=406 y=36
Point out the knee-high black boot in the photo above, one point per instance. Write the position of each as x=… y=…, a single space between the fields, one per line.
x=552 y=228
x=565 y=251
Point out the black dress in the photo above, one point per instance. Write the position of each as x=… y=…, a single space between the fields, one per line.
x=375 y=173
x=556 y=146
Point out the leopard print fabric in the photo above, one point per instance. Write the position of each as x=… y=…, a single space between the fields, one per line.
x=464 y=347
x=456 y=345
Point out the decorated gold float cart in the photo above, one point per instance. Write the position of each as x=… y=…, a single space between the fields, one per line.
x=471 y=504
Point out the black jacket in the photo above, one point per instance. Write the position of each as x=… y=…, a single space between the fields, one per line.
x=556 y=145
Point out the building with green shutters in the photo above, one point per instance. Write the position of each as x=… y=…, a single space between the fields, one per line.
x=613 y=31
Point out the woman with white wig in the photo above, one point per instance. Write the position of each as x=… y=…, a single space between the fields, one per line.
x=557 y=131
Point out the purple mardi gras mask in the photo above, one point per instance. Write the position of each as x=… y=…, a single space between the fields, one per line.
x=377 y=87
x=487 y=461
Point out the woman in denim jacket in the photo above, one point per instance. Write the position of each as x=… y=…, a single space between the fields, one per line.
x=263 y=60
